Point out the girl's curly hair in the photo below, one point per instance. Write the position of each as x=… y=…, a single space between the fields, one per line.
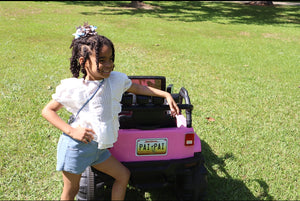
x=83 y=46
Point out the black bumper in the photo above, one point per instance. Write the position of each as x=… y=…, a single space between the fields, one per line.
x=158 y=174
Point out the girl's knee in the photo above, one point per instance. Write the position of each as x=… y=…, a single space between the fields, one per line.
x=69 y=192
x=71 y=185
x=125 y=175
x=71 y=189
x=128 y=173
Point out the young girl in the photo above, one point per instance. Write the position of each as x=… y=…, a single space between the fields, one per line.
x=85 y=142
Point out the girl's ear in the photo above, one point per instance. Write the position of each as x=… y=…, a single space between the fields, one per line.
x=81 y=59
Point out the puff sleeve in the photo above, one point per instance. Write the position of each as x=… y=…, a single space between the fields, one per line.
x=70 y=94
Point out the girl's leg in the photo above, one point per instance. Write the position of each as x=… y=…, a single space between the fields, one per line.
x=117 y=170
x=71 y=185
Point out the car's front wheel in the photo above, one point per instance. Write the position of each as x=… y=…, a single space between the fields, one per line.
x=90 y=187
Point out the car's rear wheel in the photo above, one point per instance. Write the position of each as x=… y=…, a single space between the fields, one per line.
x=192 y=184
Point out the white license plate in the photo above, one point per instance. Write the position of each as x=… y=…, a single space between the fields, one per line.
x=150 y=147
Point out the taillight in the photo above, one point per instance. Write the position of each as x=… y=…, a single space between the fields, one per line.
x=189 y=139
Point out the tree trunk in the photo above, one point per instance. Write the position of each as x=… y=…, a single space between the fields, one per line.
x=136 y=4
x=262 y=3
x=141 y=5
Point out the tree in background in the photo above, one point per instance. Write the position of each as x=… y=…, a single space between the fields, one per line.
x=262 y=3
x=140 y=5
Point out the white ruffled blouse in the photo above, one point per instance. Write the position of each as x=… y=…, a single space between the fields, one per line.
x=101 y=113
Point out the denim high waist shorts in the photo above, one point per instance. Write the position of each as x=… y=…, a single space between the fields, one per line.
x=75 y=156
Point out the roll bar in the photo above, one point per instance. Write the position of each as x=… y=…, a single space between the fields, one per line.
x=183 y=95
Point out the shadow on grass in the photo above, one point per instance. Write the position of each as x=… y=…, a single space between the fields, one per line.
x=197 y=11
x=225 y=187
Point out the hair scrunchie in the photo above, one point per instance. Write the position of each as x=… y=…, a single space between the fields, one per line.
x=85 y=30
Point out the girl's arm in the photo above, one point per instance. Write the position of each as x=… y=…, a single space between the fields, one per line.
x=150 y=91
x=50 y=113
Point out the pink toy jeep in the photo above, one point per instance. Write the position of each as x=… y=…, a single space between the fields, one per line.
x=159 y=150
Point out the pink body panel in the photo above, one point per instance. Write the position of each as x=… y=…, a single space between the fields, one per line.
x=125 y=148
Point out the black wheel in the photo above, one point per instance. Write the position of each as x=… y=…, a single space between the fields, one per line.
x=200 y=182
x=192 y=184
x=93 y=187
x=87 y=185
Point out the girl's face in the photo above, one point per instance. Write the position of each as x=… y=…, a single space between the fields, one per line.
x=106 y=65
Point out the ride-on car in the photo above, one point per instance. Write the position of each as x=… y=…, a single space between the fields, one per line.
x=160 y=151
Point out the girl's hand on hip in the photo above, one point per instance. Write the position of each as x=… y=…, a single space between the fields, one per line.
x=85 y=135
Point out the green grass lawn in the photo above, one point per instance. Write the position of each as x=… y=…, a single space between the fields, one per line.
x=240 y=64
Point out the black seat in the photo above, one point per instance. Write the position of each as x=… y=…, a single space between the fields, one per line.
x=145 y=112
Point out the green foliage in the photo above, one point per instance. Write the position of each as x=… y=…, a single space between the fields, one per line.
x=239 y=63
